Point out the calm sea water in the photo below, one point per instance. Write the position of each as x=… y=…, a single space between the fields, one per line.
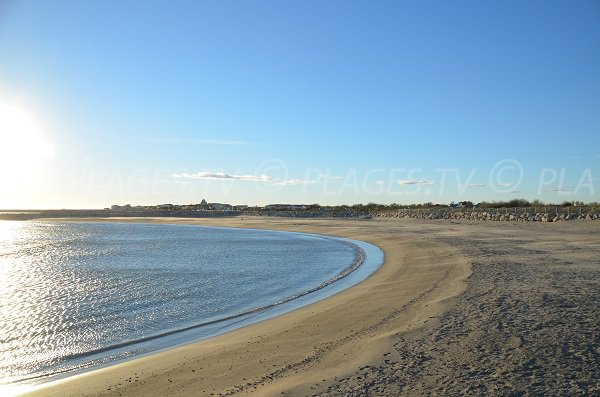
x=80 y=295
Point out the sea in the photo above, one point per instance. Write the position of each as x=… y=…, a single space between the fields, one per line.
x=80 y=296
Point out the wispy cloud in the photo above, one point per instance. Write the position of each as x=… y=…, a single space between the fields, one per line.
x=221 y=176
x=294 y=182
x=556 y=189
x=179 y=141
x=473 y=185
x=416 y=182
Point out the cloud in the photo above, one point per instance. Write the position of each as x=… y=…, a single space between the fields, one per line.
x=221 y=176
x=380 y=182
x=416 y=182
x=294 y=182
x=473 y=185
x=164 y=141
x=556 y=189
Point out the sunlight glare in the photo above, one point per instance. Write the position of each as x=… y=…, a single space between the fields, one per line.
x=23 y=147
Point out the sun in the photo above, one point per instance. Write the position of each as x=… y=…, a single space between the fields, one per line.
x=23 y=147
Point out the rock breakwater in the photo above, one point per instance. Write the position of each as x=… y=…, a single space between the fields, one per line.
x=499 y=215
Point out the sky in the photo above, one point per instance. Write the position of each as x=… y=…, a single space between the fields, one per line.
x=329 y=102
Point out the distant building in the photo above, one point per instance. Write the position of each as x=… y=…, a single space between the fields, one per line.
x=219 y=207
x=120 y=207
x=285 y=207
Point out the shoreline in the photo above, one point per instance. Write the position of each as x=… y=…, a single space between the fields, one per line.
x=367 y=260
x=317 y=338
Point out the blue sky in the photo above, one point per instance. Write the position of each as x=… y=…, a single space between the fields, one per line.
x=259 y=102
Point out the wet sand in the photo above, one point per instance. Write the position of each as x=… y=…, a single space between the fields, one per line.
x=457 y=308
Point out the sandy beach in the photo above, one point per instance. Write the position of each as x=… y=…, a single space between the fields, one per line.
x=459 y=308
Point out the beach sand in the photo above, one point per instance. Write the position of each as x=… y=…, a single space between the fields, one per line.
x=457 y=309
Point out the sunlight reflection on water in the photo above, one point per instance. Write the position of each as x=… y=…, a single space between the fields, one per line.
x=67 y=290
